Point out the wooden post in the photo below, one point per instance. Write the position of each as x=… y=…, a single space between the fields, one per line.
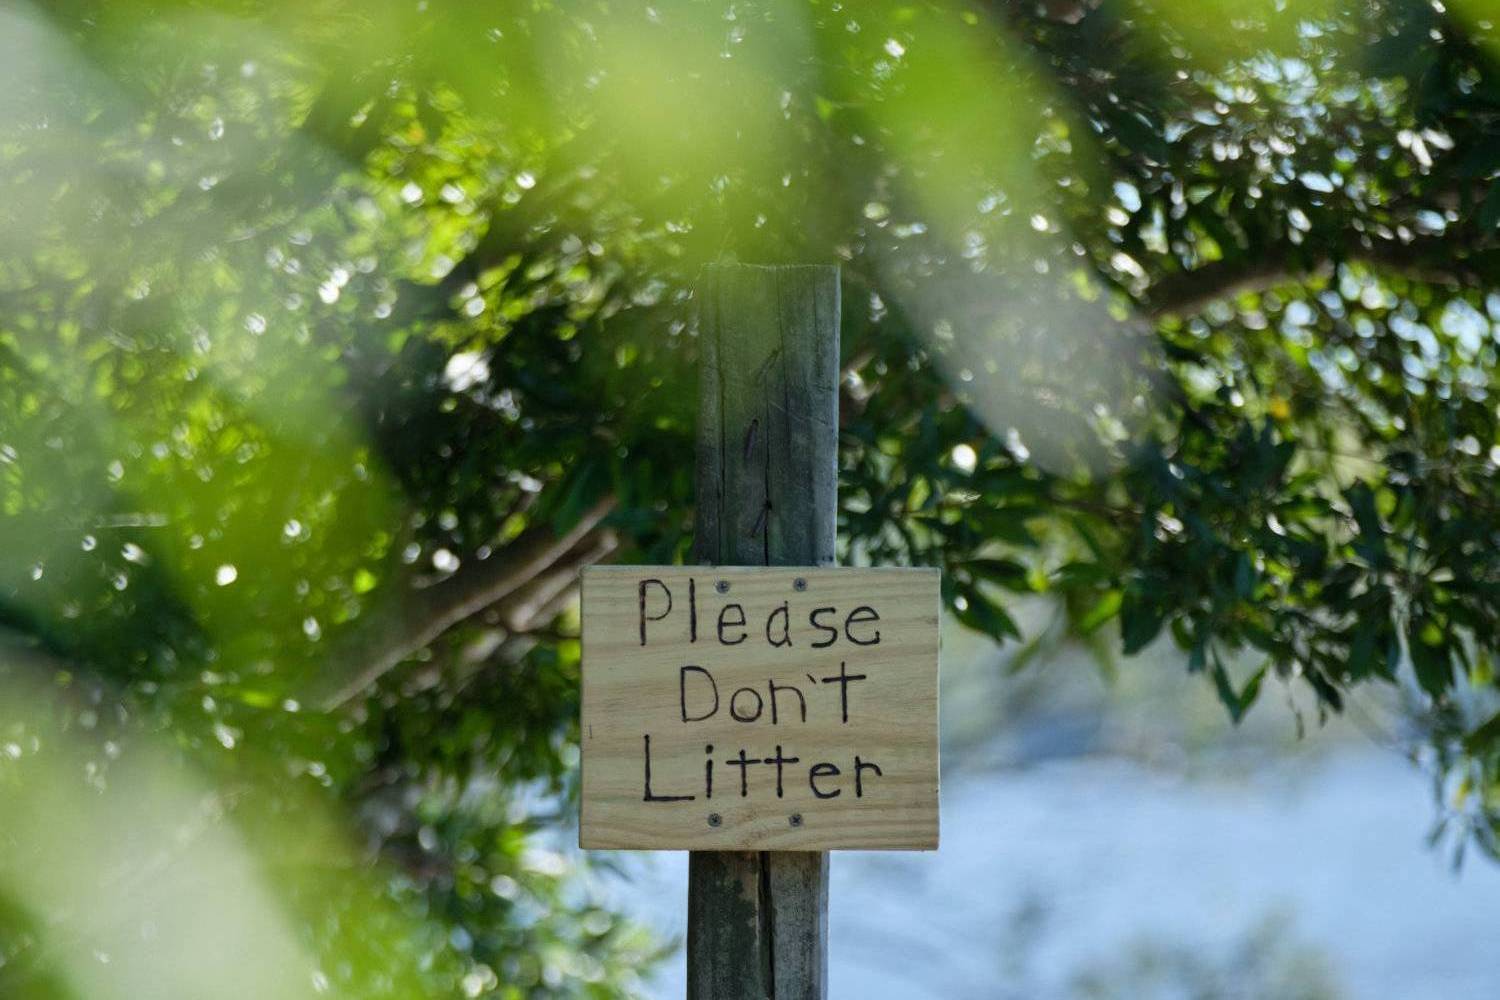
x=767 y=495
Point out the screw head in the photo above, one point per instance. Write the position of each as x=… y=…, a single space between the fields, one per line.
x=795 y=819
x=722 y=586
x=799 y=584
x=714 y=819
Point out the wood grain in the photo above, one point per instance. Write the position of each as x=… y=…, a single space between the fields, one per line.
x=769 y=337
x=831 y=672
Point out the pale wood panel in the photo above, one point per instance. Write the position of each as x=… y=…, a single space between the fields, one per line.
x=632 y=691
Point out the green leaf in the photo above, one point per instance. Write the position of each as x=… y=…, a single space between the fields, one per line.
x=985 y=616
x=1489 y=211
x=1481 y=739
x=1140 y=134
x=1430 y=657
x=590 y=482
x=1141 y=619
x=1372 y=533
x=1006 y=573
x=1006 y=524
x=1238 y=702
x=1482 y=160
x=1244 y=576
x=1102 y=611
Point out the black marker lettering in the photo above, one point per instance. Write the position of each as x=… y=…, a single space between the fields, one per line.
x=743 y=762
x=833 y=633
x=659 y=798
x=844 y=679
x=859 y=616
x=682 y=693
x=786 y=626
x=786 y=687
x=650 y=618
x=734 y=699
x=779 y=760
x=692 y=610
x=819 y=770
x=723 y=621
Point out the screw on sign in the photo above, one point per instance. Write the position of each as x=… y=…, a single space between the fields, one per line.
x=763 y=708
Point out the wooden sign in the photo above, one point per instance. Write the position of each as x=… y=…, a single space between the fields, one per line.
x=759 y=708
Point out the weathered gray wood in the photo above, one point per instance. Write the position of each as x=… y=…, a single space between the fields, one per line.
x=767 y=495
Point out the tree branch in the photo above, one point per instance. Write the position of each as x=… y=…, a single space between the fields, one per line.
x=1190 y=292
x=423 y=615
x=540 y=600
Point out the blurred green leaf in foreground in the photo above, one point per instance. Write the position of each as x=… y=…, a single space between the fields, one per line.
x=335 y=338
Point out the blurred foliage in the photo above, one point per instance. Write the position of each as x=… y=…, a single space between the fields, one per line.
x=1268 y=962
x=1266 y=958
x=320 y=320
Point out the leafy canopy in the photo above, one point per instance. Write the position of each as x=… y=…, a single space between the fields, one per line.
x=337 y=336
